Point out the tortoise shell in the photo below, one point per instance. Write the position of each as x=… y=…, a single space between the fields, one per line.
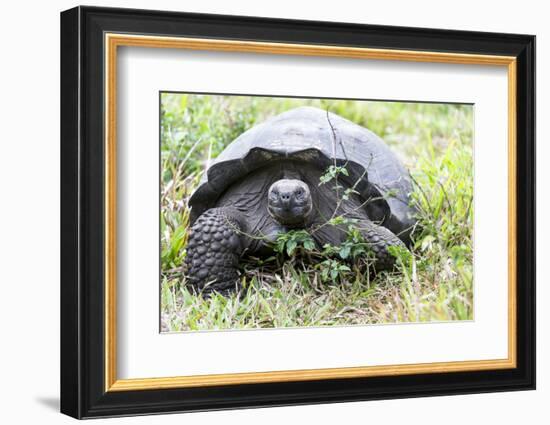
x=320 y=138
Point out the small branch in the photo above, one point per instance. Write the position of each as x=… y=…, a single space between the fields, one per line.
x=335 y=138
x=334 y=155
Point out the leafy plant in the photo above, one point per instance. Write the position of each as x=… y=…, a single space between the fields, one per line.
x=294 y=240
x=332 y=174
x=333 y=270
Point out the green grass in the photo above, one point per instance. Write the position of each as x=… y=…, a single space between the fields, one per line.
x=434 y=141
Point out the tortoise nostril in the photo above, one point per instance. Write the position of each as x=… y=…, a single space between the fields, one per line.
x=285 y=196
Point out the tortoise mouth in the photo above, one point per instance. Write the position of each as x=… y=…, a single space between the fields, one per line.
x=289 y=202
x=293 y=216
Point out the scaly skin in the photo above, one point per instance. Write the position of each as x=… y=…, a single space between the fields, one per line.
x=213 y=251
x=380 y=239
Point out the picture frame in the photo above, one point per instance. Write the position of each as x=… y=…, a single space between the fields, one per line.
x=90 y=40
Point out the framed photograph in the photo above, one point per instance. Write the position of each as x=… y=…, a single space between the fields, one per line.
x=261 y=212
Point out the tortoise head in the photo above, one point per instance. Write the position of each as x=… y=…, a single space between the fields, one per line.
x=289 y=202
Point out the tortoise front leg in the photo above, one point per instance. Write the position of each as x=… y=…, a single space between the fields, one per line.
x=213 y=251
x=380 y=239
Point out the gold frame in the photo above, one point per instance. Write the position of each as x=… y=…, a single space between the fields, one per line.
x=113 y=41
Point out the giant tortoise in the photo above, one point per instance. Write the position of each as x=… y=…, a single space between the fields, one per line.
x=267 y=181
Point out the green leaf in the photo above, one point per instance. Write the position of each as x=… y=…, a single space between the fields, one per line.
x=291 y=246
x=345 y=251
x=337 y=220
x=309 y=245
x=427 y=243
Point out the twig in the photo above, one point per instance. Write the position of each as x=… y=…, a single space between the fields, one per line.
x=334 y=156
x=334 y=138
x=340 y=201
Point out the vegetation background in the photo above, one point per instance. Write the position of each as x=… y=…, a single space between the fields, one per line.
x=435 y=142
